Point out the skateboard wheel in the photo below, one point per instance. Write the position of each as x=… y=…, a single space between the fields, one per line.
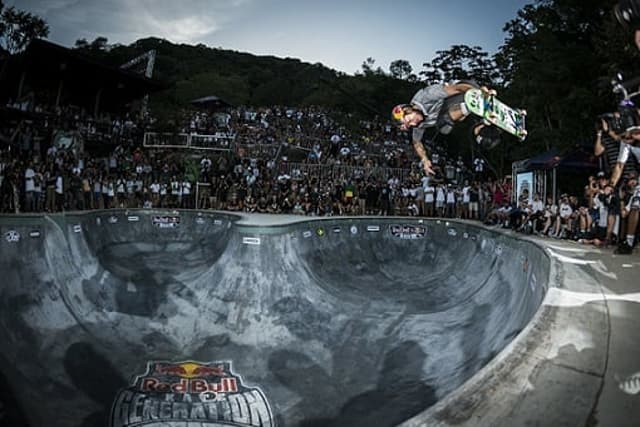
x=523 y=112
x=493 y=92
x=524 y=133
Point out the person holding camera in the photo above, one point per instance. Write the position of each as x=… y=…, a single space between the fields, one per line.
x=627 y=143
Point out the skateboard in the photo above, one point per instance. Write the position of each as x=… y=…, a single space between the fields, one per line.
x=484 y=103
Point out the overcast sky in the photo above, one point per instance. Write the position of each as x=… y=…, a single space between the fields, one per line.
x=339 y=34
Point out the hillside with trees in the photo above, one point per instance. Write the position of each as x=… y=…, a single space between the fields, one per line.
x=556 y=61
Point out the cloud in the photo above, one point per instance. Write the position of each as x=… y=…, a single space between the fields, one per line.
x=124 y=21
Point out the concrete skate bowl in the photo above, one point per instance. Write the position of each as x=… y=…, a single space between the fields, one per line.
x=164 y=318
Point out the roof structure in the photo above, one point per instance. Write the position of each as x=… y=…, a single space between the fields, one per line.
x=210 y=102
x=48 y=65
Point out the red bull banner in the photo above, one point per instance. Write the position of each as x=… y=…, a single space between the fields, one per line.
x=190 y=393
x=166 y=221
x=408 y=232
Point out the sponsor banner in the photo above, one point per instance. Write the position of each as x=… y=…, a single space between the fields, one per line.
x=179 y=394
x=35 y=234
x=408 y=232
x=200 y=220
x=337 y=230
x=373 y=228
x=217 y=222
x=112 y=219
x=320 y=232
x=12 y=236
x=353 y=230
x=452 y=232
x=166 y=221
x=307 y=234
x=77 y=228
x=255 y=241
x=133 y=218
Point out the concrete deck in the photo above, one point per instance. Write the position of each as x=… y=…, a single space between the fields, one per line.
x=326 y=328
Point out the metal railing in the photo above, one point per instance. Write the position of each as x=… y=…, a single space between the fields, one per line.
x=219 y=141
x=343 y=171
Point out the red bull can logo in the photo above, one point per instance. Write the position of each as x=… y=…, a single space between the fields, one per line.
x=178 y=393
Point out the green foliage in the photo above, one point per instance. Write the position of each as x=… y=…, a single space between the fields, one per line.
x=401 y=69
x=556 y=61
x=551 y=65
x=18 y=28
x=460 y=62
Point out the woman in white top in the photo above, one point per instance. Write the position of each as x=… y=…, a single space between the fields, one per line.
x=429 y=199
x=440 y=199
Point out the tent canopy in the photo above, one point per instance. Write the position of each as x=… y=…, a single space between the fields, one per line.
x=211 y=102
x=578 y=159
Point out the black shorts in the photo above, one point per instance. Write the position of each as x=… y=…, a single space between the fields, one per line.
x=445 y=123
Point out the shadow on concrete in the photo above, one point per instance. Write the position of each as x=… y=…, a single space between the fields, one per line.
x=398 y=395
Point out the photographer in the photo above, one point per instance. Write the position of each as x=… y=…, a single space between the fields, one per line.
x=627 y=144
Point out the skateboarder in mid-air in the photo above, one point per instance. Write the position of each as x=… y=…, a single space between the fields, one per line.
x=440 y=106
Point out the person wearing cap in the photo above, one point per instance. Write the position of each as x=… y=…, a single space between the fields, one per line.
x=628 y=145
x=438 y=105
x=563 y=220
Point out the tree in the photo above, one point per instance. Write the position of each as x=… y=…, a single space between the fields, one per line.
x=367 y=67
x=460 y=62
x=81 y=44
x=18 y=28
x=550 y=66
x=401 y=69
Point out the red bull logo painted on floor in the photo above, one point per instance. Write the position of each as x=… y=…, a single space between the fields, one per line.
x=190 y=394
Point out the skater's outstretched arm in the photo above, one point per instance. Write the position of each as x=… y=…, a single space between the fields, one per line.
x=418 y=146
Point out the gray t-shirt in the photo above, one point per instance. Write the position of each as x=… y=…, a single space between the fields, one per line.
x=429 y=100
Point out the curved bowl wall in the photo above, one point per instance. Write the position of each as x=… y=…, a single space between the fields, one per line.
x=327 y=322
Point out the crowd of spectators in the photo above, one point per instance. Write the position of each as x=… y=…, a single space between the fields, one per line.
x=368 y=170
x=605 y=214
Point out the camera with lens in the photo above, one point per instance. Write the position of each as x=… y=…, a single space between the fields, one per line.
x=613 y=122
x=628 y=114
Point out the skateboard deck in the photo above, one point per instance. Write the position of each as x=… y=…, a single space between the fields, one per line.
x=485 y=104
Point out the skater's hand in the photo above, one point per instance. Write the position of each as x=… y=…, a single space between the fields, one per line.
x=426 y=166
